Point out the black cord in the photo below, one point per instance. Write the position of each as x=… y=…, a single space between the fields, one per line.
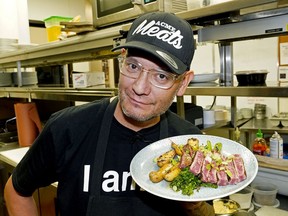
x=213 y=103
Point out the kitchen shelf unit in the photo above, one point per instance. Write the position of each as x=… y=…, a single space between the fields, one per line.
x=97 y=45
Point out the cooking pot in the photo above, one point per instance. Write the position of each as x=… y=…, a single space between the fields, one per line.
x=251 y=77
x=225 y=207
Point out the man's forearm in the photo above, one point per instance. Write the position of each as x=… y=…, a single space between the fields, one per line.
x=16 y=204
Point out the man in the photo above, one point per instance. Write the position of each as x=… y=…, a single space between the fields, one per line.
x=88 y=149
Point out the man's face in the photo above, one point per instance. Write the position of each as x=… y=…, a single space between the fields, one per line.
x=139 y=99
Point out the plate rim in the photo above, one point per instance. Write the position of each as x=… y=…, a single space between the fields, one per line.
x=209 y=77
x=191 y=198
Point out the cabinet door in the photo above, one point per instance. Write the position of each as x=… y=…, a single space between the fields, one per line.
x=47 y=200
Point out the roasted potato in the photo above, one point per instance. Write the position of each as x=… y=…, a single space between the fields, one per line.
x=172 y=173
x=157 y=176
x=166 y=158
x=176 y=148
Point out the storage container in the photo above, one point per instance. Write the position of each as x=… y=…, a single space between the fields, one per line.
x=264 y=193
x=243 y=197
x=53 y=26
x=251 y=77
x=86 y=79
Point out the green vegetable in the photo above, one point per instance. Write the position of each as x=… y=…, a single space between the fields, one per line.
x=218 y=147
x=187 y=182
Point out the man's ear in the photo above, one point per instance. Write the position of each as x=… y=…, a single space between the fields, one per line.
x=189 y=75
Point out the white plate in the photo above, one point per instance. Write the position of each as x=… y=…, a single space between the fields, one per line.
x=142 y=164
x=205 y=77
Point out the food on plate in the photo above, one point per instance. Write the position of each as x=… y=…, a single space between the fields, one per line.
x=190 y=166
x=157 y=176
x=166 y=157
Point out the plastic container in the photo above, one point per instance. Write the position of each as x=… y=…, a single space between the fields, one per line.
x=265 y=193
x=53 y=26
x=243 y=197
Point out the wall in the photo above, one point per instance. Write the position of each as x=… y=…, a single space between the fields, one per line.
x=41 y=9
x=254 y=54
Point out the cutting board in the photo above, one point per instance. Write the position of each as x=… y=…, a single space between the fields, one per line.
x=14 y=156
x=269 y=211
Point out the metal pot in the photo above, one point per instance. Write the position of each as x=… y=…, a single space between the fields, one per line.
x=251 y=77
x=225 y=207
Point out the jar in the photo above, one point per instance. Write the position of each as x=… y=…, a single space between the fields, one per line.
x=260 y=111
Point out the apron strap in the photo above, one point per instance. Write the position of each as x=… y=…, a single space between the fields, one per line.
x=163 y=127
x=101 y=147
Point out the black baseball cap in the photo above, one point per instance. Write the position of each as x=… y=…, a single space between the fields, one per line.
x=165 y=36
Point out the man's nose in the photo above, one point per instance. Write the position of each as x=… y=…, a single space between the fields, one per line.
x=142 y=84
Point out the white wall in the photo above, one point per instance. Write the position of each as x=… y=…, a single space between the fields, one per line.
x=247 y=55
x=41 y=9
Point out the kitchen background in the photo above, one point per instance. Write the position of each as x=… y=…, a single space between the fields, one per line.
x=255 y=54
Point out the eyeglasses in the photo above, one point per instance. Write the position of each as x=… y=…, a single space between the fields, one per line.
x=131 y=68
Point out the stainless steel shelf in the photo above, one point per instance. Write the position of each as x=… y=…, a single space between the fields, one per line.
x=243 y=91
x=91 y=46
x=228 y=6
x=65 y=94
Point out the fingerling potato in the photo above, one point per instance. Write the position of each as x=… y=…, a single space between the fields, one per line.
x=172 y=173
x=157 y=176
x=165 y=158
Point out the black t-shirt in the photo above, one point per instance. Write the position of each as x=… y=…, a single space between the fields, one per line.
x=66 y=147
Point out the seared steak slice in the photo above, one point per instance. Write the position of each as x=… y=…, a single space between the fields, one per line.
x=196 y=165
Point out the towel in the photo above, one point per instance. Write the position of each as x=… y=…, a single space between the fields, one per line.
x=28 y=123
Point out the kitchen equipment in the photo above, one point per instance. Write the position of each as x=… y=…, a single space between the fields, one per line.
x=225 y=207
x=280 y=119
x=208 y=117
x=246 y=112
x=243 y=197
x=276 y=204
x=205 y=77
x=268 y=211
x=260 y=111
x=193 y=113
x=251 y=77
x=28 y=78
x=264 y=193
x=5 y=79
x=106 y=13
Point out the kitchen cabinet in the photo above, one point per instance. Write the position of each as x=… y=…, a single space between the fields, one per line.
x=45 y=197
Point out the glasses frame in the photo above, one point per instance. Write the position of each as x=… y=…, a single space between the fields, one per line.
x=122 y=61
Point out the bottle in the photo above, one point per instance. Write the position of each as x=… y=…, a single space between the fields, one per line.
x=276 y=146
x=237 y=135
x=259 y=144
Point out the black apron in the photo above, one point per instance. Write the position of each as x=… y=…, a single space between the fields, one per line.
x=98 y=204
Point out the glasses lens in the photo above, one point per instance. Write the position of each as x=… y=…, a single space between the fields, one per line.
x=162 y=79
x=159 y=78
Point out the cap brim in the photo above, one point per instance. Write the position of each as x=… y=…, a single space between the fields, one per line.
x=153 y=50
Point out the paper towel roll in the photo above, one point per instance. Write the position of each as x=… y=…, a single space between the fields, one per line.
x=28 y=123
